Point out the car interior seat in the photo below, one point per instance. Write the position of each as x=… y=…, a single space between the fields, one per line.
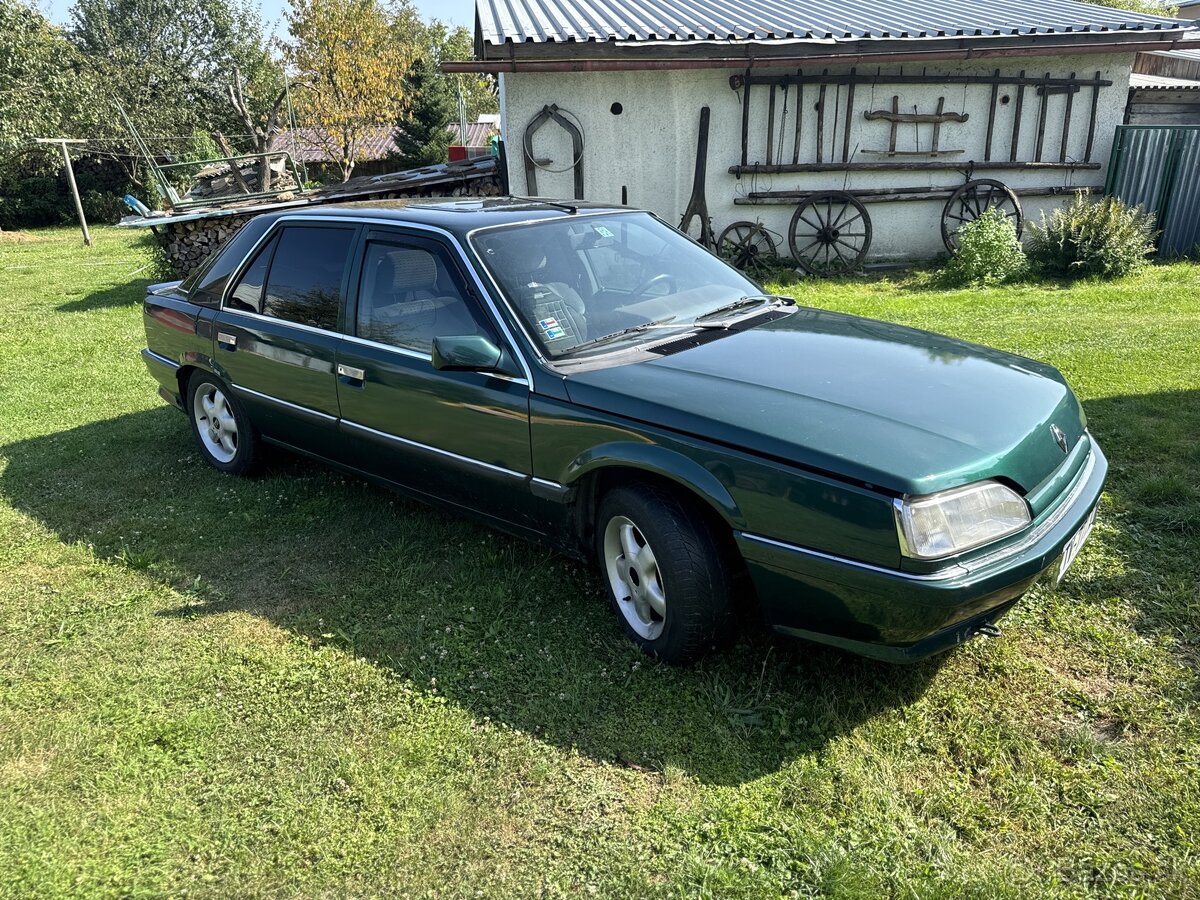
x=409 y=298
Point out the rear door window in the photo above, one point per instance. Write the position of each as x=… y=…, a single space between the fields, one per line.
x=307 y=274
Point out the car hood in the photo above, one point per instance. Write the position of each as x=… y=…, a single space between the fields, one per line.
x=905 y=410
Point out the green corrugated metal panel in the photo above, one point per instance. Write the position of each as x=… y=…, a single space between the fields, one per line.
x=1157 y=167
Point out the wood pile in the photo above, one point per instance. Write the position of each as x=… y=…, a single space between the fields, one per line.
x=188 y=244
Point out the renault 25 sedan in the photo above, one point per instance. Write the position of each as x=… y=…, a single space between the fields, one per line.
x=590 y=377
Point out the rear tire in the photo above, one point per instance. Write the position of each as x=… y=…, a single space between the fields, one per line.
x=669 y=580
x=223 y=432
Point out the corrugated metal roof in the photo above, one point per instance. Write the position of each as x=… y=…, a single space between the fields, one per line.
x=1161 y=83
x=599 y=21
x=1193 y=55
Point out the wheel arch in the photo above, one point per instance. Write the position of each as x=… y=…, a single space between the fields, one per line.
x=192 y=363
x=605 y=467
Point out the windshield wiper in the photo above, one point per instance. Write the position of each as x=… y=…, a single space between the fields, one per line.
x=624 y=332
x=740 y=303
x=563 y=206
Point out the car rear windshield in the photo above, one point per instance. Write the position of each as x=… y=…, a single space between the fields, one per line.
x=594 y=283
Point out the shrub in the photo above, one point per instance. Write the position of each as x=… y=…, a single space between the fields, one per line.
x=1104 y=238
x=989 y=252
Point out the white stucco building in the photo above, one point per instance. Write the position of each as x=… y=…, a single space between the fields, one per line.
x=895 y=103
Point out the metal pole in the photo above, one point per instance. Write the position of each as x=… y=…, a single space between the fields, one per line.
x=62 y=142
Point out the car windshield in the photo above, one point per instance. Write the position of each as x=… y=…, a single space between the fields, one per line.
x=592 y=283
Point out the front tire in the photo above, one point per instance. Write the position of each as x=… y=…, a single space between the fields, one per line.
x=223 y=432
x=669 y=580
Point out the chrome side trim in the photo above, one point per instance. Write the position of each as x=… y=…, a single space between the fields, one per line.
x=405 y=442
x=305 y=410
x=942 y=575
x=484 y=295
x=150 y=356
x=546 y=482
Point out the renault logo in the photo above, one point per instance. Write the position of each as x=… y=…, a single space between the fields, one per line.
x=1059 y=438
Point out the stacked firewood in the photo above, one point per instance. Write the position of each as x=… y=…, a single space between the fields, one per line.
x=188 y=244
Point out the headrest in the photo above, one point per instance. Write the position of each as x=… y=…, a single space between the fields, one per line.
x=411 y=270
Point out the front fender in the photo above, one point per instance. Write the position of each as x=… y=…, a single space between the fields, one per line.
x=661 y=461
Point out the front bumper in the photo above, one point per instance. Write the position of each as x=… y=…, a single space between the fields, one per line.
x=906 y=616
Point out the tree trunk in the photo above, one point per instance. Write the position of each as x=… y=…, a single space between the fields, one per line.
x=228 y=151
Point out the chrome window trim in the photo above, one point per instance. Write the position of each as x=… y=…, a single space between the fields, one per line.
x=148 y=355
x=417 y=354
x=394 y=348
x=285 y=322
x=510 y=473
x=307 y=410
x=484 y=295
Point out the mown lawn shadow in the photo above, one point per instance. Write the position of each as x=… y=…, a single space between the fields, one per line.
x=129 y=293
x=501 y=627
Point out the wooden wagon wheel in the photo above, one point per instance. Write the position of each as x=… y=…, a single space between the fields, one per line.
x=830 y=233
x=746 y=245
x=971 y=201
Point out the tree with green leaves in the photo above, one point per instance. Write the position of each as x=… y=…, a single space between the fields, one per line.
x=1151 y=7
x=442 y=43
x=43 y=82
x=353 y=57
x=422 y=134
x=167 y=63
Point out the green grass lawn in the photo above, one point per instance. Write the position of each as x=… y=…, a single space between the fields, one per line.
x=300 y=684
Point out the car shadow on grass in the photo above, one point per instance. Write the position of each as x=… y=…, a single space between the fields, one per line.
x=502 y=628
x=128 y=293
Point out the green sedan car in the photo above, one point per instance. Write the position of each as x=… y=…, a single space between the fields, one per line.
x=591 y=378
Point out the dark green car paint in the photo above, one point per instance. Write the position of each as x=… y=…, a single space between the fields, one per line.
x=798 y=435
x=871 y=401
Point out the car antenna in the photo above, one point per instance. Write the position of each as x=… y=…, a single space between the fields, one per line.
x=571 y=209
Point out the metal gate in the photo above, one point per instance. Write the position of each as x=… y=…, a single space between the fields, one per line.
x=1157 y=167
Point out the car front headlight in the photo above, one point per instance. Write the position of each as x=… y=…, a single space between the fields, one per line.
x=960 y=519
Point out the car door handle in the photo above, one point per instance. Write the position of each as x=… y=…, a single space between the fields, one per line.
x=351 y=375
x=228 y=341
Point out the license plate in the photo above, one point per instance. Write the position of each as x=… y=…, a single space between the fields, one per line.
x=1075 y=544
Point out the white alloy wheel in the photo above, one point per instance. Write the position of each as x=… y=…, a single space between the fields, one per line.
x=634 y=577
x=215 y=423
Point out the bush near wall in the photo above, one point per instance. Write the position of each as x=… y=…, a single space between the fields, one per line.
x=34 y=192
x=1103 y=238
x=989 y=252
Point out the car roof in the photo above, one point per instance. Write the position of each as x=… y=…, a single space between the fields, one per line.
x=456 y=215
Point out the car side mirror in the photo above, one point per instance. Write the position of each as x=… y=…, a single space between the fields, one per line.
x=471 y=353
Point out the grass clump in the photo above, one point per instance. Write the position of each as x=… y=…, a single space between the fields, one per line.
x=1105 y=238
x=989 y=252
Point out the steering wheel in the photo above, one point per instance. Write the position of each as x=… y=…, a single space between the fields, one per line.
x=660 y=278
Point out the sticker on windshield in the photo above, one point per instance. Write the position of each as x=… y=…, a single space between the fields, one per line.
x=602 y=231
x=551 y=329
